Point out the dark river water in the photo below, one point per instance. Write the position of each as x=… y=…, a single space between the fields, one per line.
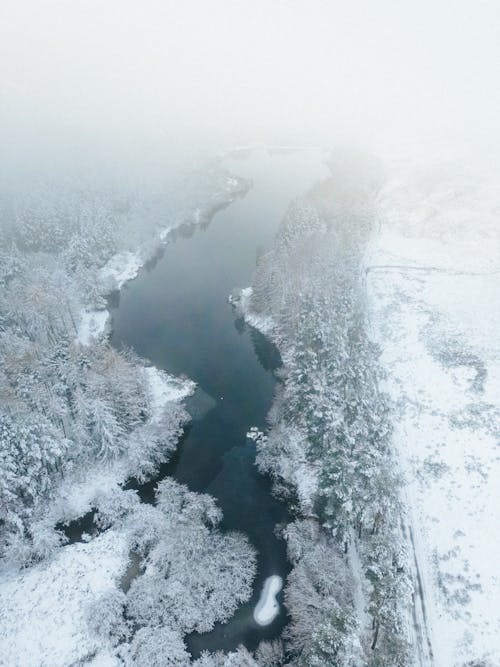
x=177 y=315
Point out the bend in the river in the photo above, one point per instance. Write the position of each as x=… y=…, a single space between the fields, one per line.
x=177 y=315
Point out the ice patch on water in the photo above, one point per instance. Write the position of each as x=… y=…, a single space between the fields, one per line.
x=268 y=607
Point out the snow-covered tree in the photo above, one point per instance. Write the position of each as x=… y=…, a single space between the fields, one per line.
x=194 y=575
x=239 y=658
x=319 y=598
x=328 y=446
x=156 y=647
x=106 y=618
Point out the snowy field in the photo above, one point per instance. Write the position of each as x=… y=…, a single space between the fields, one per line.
x=43 y=609
x=433 y=281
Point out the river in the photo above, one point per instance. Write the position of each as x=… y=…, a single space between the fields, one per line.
x=176 y=314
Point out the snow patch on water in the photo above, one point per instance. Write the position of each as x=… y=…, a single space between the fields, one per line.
x=164 y=234
x=268 y=607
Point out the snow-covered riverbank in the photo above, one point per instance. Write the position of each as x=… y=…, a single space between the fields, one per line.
x=44 y=608
x=125 y=266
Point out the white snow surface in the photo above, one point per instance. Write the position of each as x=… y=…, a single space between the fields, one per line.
x=165 y=388
x=121 y=268
x=43 y=609
x=268 y=607
x=93 y=324
x=433 y=283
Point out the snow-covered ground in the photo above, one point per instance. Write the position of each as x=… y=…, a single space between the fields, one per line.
x=93 y=324
x=121 y=268
x=433 y=281
x=43 y=609
x=165 y=388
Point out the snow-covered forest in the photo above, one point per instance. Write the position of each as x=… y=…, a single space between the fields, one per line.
x=78 y=419
x=249 y=349
x=329 y=447
x=378 y=574
x=384 y=430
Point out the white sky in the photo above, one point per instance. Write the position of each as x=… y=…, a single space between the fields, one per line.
x=237 y=71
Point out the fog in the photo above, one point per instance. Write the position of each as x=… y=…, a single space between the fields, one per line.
x=142 y=80
x=278 y=290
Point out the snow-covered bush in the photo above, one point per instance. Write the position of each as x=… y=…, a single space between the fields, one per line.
x=239 y=658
